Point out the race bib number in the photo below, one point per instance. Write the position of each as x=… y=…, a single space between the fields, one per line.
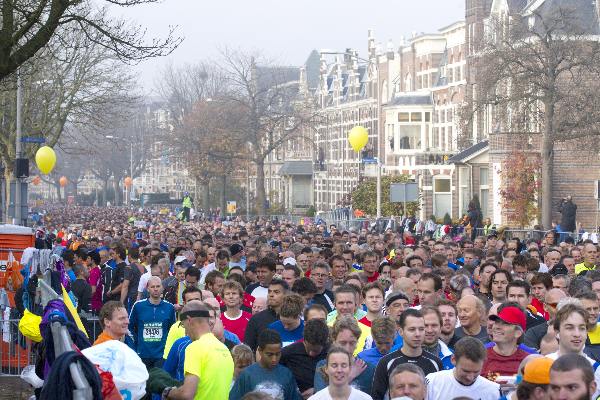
x=153 y=332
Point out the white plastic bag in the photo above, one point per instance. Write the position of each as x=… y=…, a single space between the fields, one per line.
x=128 y=371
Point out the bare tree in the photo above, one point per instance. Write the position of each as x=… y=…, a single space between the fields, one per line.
x=62 y=86
x=182 y=88
x=194 y=97
x=271 y=105
x=121 y=149
x=211 y=145
x=539 y=74
x=29 y=25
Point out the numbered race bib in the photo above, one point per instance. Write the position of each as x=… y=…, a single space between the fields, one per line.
x=153 y=332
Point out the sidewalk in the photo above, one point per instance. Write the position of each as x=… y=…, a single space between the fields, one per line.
x=13 y=388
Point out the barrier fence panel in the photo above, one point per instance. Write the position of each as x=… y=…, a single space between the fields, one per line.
x=16 y=351
x=526 y=234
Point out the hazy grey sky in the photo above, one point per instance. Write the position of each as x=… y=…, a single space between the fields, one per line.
x=285 y=31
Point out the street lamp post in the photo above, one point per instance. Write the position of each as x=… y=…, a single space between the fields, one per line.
x=378 y=102
x=18 y=199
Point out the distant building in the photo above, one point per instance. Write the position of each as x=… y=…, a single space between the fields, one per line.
x=346 y=97
x=165 y=171
x=423 y=86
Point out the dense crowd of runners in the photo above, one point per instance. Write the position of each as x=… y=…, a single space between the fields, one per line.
x=265 y=309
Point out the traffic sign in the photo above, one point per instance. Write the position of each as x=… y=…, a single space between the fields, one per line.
x=369 y=160
x=32 y=139
x=231 y=207
x=403 y=192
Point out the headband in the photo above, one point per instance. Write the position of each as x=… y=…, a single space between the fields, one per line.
x=194 y=314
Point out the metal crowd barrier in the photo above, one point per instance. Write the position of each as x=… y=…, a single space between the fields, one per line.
x=525 y=234
x=16 y=351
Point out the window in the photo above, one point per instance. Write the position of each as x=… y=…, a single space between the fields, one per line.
x=484 y=190
x=441 y=185
x=403 y=117
x=442 y=197
x=416 y=117
x=483 y=176
x=410 y=137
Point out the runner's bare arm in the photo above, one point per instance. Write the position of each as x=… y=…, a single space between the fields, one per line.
x=187 y=391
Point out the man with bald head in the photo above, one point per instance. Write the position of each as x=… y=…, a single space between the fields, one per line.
x=590 y=252
x=470 y=313
x=534 y=336
x=406 y=286
x=150 y=321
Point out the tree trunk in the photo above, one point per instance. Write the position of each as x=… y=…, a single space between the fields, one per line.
x=206 y=196
x=224 y=193
x=260 y=187
x=118 y=194
x=203 y=194
x=104 y=192
x=75 y=189
x=58 y=192
x=7 y=180
x=547 y=166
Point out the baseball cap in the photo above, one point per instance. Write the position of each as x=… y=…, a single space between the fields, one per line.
x=559 y=269
x=511 y=315
x=289 y=261
x=235 y=248
x=537 y=371
x=392 y=297
x=179 y=259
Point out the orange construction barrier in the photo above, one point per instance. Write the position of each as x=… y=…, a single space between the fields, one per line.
x=13 y=240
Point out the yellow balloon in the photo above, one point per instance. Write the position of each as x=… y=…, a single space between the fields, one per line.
x=358 y=138
x=45 y=158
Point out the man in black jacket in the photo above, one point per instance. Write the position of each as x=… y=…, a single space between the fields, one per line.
x=261 y=320
x=411 y=326
x=302 y=357
x=568 y=209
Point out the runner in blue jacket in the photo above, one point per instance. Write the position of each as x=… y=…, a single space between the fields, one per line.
x=150 y=321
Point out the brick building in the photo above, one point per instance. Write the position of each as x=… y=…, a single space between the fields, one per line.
x=575 y=172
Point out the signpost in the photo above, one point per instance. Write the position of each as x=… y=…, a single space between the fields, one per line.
x=404 y=192
x=369 y=160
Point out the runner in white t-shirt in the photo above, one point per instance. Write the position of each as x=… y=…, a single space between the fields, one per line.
x=337 y=367
x=464 y=380
x=570 y=325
